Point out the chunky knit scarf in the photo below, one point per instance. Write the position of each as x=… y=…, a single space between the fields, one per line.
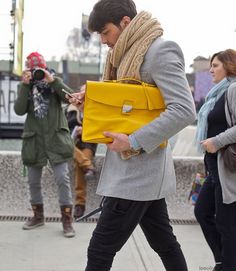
x=125 y=59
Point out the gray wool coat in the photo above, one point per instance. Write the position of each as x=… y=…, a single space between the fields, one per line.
x=151 y=175
x=227 y=178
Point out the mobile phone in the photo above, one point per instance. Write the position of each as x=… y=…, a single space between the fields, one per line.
x=69 y=94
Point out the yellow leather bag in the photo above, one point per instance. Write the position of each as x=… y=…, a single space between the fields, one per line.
x=118 y=107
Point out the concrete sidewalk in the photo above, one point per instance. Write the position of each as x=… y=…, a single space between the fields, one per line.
x=45 y=249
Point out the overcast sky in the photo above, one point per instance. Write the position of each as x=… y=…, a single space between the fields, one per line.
x=201 y=27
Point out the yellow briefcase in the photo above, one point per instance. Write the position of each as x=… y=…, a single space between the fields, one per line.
x=118 y=107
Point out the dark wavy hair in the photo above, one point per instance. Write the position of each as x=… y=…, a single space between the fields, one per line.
x=228 y=58
x=110 y=11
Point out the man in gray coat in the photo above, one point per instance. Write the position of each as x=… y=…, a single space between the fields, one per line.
x=135 y=187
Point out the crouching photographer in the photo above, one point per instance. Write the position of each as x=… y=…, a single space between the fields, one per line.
x=46 y=138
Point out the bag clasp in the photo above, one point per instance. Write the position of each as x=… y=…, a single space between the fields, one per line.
x=127 y=108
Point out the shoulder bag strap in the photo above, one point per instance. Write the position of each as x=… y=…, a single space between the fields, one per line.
x=230 y=113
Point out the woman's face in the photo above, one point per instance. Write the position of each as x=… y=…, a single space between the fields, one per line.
x=217 y=70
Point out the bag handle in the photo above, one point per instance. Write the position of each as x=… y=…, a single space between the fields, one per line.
x=143 y=84
x=131 y=79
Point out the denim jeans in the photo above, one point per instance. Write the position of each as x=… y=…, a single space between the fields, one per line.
x=118 y=219
x=61 y=174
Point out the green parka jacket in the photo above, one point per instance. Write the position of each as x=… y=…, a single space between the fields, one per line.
x=46 y=139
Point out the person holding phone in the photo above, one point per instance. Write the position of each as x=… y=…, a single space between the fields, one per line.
x=135 y=189
x=46 y=138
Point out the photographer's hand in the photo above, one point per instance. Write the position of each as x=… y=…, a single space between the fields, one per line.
x=48 y=76
x=26 y=77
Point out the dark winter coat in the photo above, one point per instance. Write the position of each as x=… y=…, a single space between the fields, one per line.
x=45 y=139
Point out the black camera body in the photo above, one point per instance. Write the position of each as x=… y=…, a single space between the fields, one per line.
x=38 y=74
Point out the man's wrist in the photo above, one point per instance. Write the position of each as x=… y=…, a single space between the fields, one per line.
x=134 y=143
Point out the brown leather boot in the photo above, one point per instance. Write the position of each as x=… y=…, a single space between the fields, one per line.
x=79 y=211
x=38 y=218
x=66 y=212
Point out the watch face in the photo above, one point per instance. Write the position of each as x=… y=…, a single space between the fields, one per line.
x=125 y=155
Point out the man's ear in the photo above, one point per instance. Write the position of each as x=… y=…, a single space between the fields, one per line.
x=125 y=21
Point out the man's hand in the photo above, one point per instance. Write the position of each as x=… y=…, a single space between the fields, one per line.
x=77 y=99
x=120 y=142
x=208 y=145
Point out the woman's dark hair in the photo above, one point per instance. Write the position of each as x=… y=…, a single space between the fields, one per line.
x=228 y=58
x=110 y=11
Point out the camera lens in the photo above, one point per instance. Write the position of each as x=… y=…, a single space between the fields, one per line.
x=38 y=74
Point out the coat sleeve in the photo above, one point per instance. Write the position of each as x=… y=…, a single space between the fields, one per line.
x=168 y=72
x=58 y=85
x=22 y=101
x=228 y=136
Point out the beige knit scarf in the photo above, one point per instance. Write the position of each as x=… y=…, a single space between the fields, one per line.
x=125 y=59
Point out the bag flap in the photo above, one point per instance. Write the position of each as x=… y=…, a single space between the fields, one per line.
x=116 y=94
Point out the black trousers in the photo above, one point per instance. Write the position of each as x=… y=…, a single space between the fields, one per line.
x=117 y=221
x=217 y=220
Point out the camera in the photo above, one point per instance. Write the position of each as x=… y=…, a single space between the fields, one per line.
x=38 y=74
